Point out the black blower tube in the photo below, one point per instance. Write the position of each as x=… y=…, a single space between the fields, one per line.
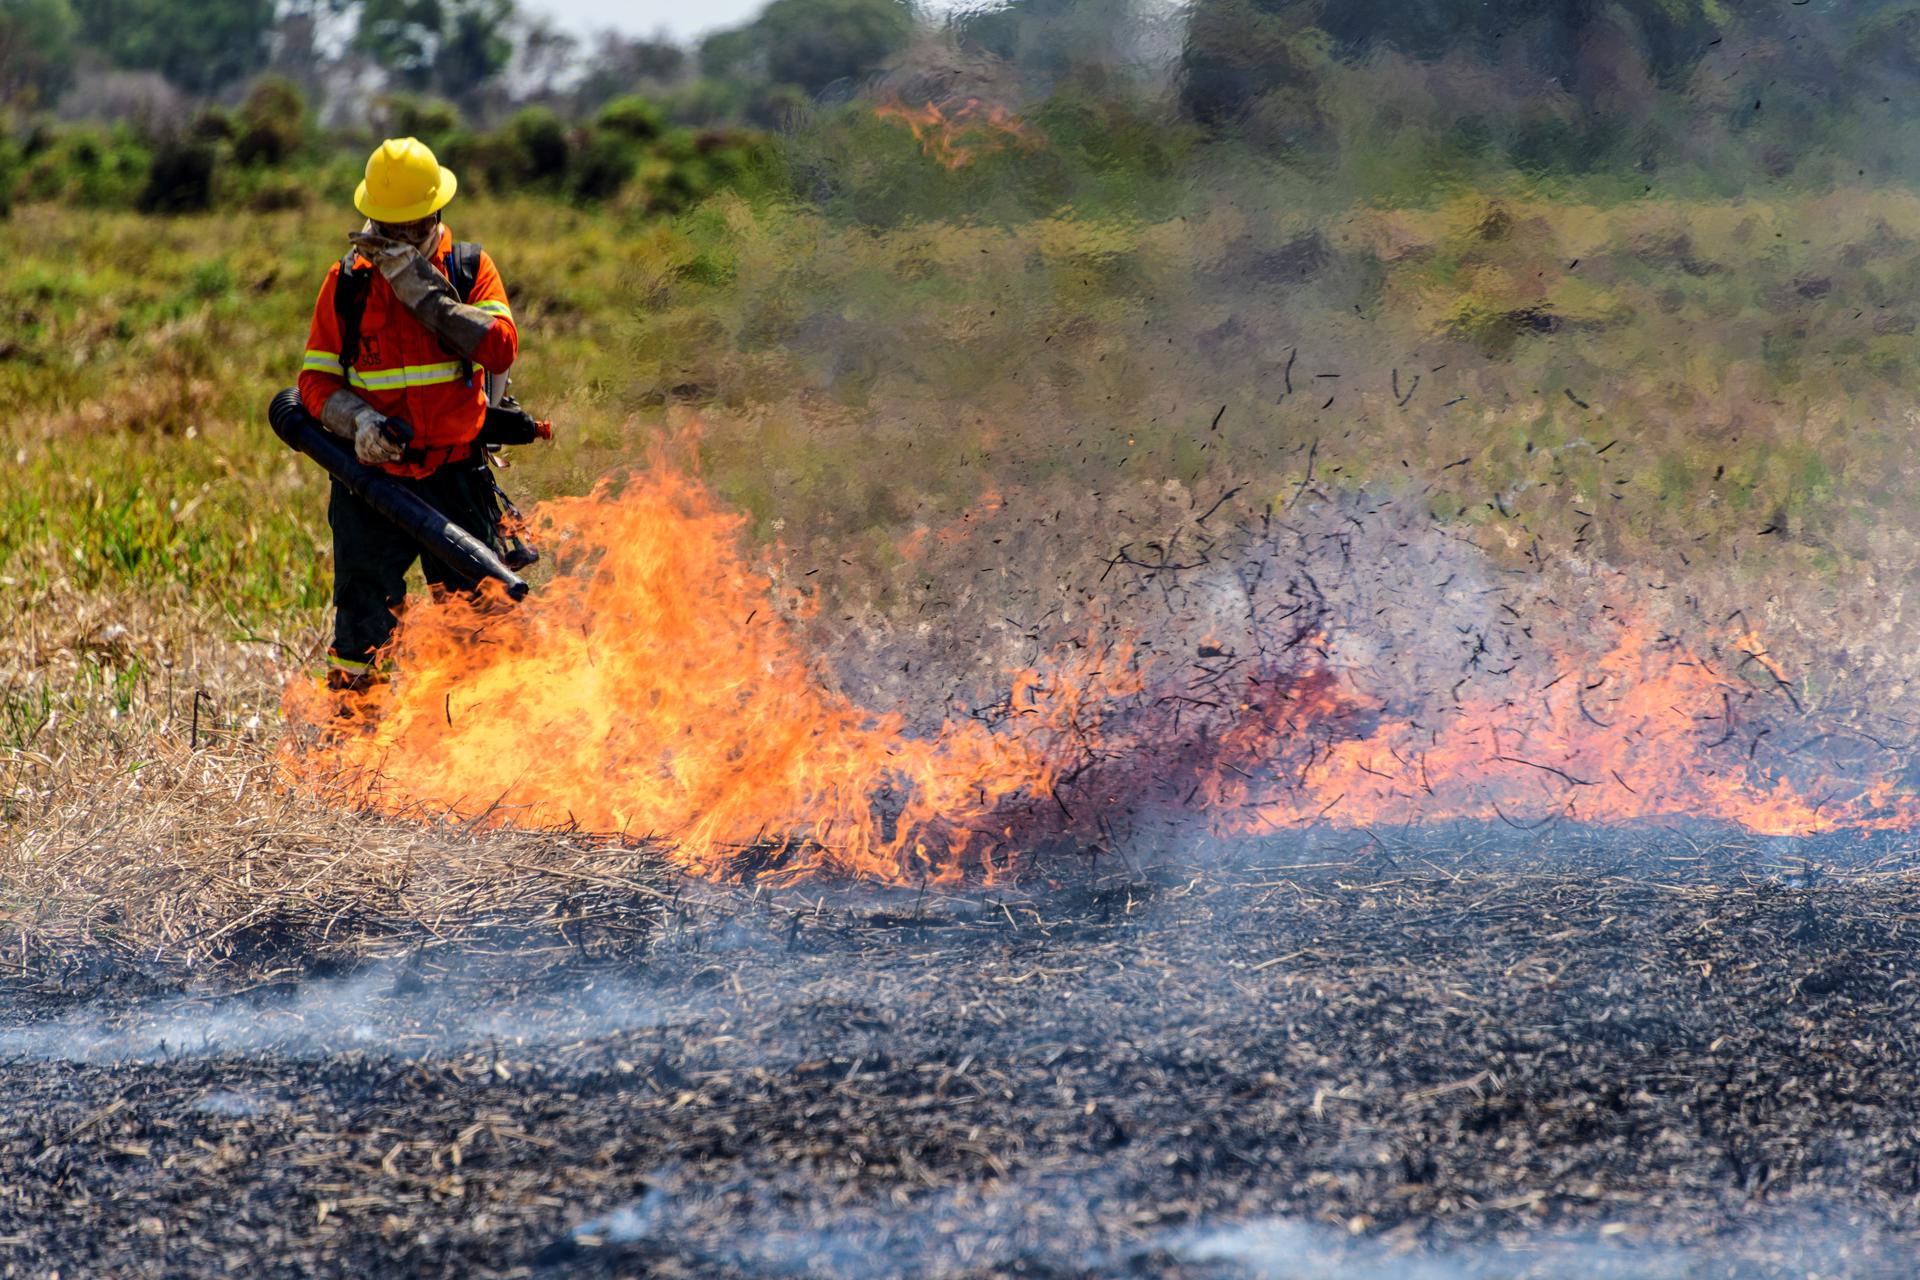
x=438 y=536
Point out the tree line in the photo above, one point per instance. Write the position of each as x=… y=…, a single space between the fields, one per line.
x=483 y=56
x=1425 y=88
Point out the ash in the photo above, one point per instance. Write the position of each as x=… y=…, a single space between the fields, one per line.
x=1632 y=1053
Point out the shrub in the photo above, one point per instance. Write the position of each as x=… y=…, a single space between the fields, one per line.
x=273 y=123
x=539 y=144
x=473 y=157
x=631 y=117
x=214 y=124
x=402 y=115
x=274 y=192
x=179 y=178
x=91 y=167
x=688 y=168
x=604 y=165
x=707 y=101
x=11 y=161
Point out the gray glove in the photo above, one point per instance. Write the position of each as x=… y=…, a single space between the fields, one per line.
x=376 y=437
x=424 y=292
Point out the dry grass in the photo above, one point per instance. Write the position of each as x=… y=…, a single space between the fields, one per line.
x=148 y=822
x=202 y=857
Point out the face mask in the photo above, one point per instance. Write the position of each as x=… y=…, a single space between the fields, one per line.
x=421 y=233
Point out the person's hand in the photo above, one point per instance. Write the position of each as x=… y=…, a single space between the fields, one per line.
x=380 y=250
x=379 y=439
x=415 y=280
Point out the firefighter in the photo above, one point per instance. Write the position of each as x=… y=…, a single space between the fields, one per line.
x=408 y=328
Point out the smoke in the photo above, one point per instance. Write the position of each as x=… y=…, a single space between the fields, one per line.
x=1375 y=582
x=1784 y=1242
x=1321 y=620
x=386 y=1011
x=1574 y=282
x=973 y=1238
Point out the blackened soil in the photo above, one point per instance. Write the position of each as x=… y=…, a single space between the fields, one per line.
x=1650 y=1062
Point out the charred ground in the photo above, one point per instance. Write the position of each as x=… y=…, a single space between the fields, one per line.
x=1631 y=1056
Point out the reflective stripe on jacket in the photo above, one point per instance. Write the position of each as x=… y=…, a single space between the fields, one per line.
x=404 y=372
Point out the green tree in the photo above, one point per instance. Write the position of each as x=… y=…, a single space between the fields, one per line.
x=476 y=47
x=1244 y=54
x=811 y=43
x=200 y=45
x=36 y=48
x=401 y=36
x=618 y=66
x=1582 y=83
x=1558 y=39
x=1241 y=50
x=451 y=47
x=1055 y=39
x=736 y=54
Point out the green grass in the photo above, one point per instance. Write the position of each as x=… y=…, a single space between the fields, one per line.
x=1650 y=382
x=1637 y=376
x=141 y=353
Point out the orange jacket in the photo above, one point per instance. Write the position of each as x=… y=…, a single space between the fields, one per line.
x=404 y=372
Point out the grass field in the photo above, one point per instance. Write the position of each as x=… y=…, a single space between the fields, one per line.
x=1655 y=385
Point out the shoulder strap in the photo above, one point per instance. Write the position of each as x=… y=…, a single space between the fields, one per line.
x=463 y=267
x=351 y=289
x=350 y=304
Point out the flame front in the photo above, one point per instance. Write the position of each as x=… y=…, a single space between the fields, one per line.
x=957 y=133
x=659 y=687
x=655 y=690
x=1649 y=730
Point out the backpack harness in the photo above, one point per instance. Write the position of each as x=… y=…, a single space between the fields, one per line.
x=507 y=422
x=350 y=293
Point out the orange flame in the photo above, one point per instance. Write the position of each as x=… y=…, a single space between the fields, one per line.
x=654 y=689
x=957 y=133
x=1648 y=731
x=659 y=687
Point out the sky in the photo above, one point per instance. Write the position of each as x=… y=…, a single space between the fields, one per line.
x=644 y=17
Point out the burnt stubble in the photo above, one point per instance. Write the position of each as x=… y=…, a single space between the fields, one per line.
x=1633 y=1054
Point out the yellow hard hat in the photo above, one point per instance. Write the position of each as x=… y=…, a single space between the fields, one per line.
x=403 y=182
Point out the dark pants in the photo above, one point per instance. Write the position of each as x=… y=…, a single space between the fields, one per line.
x=371 y=556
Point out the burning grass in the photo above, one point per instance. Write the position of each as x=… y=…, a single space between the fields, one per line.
x=957 y=133
x=668 y=699
x=1343 y=663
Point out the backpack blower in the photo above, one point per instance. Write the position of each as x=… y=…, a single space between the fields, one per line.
x=436 y=535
